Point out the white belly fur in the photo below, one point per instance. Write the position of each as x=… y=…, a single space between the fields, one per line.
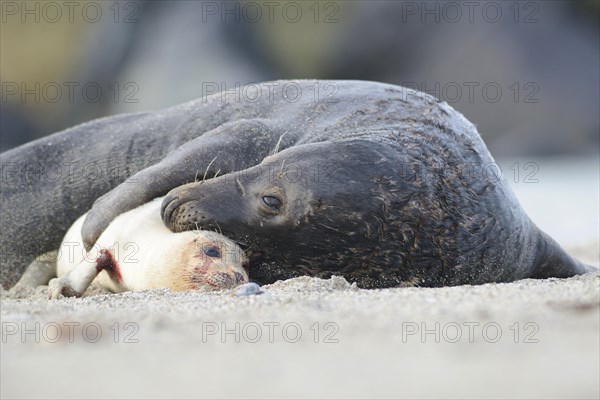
x=138 y=241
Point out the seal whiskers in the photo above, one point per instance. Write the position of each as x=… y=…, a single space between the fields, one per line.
x=207 y=168
x=276 y=149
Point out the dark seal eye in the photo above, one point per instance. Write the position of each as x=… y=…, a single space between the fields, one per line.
x=272 y=202
x=212 y=252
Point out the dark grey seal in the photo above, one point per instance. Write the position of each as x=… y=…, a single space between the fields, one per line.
x=383 y=185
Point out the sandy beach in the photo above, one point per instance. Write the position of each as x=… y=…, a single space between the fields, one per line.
x=308 y=337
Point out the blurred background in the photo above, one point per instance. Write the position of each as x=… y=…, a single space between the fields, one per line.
x=526 y=73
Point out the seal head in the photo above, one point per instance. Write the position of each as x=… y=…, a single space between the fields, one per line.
x=209 y=261
x=321 y=208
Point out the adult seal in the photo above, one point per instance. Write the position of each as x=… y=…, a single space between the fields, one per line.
x=384 y=185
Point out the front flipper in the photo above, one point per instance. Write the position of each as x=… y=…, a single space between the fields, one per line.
x=75 y=283
x=231 y=147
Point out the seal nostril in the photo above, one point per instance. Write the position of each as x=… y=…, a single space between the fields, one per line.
x=239 y=278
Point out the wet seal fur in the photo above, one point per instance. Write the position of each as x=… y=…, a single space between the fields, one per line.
x=137 y=252
x=378 y=183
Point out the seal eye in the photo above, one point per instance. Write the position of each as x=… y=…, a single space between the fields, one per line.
x=272 y=201
x=212 y=252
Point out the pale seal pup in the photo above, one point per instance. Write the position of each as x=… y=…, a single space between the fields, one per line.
x=137 y=252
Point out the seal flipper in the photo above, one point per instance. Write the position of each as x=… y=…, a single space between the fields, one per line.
x=231 y=147
x=553 y=262
x=40 y=271
x=75 y=283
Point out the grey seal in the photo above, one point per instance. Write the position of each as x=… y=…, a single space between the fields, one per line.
x=380 y=184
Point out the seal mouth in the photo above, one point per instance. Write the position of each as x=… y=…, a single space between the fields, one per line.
x=224 y=280
x=219 y=280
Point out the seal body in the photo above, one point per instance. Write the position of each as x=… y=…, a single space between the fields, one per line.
x=384 y=185
x=137 y=252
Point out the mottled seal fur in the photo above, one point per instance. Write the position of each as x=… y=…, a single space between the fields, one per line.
x=137 y=252
x=384 y=185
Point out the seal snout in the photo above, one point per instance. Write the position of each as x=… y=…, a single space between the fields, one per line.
x=168 y=206
x=225 y=280
x=220 y=277
x=182 y=215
